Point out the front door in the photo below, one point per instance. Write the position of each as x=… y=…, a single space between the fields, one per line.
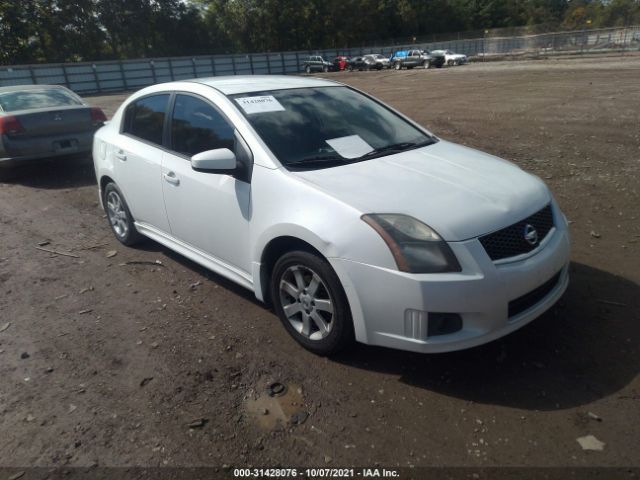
x=208 y=211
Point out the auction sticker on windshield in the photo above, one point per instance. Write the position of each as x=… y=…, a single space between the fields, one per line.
x=352 y=146
x=263 y=104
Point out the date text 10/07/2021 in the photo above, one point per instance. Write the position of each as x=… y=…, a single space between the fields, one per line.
x=314 y=473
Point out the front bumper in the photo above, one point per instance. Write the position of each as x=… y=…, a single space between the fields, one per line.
x=385 y=303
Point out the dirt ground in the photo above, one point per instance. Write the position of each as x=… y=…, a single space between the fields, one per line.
x=108 y=362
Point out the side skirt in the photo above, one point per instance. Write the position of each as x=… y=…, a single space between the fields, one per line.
x=232 y=273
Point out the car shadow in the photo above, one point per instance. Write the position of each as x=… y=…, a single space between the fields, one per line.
x=52 y=173
x=583 y=349
x=151 y=246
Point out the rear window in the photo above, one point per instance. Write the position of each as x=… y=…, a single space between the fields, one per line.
x=33 y=99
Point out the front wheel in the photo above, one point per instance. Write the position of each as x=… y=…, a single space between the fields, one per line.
x=119 y=215
x=397 y=65
x=325 y=69
x=307 y=69
x=309 y=299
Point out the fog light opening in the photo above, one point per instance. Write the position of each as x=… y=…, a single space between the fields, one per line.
x=443 y=324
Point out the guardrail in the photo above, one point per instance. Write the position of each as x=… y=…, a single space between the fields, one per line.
x=123 y=75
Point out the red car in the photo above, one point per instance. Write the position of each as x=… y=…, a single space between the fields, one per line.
x=340 y=63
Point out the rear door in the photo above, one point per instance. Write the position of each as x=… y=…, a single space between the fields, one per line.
x=138 y=159
x=208 y=211
x=413 y=59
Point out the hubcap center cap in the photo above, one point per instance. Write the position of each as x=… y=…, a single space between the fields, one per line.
x=306 y=300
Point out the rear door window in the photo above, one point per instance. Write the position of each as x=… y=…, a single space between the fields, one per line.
x=197 y=126
x=145 y=118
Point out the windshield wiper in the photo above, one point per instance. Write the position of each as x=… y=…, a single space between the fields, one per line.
x=319 y=161
x=393 y=148
x=333 y=160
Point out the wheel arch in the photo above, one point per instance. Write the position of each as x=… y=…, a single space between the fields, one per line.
x=272 y=251
x=278 y=246
x=104 y=180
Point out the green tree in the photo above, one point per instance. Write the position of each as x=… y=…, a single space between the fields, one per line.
x=68 y=30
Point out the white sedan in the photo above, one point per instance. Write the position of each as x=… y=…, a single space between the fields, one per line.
x=451 y=58
x=353 y=221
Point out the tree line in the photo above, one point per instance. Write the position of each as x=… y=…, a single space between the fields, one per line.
x=33 y=31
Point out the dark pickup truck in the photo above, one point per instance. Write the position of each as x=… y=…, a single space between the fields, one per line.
x=316 y=63
x=416 y=59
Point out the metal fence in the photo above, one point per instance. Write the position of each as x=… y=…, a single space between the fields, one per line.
x=117 y=76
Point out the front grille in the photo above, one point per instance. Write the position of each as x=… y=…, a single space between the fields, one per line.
x=510 y=241
x=528 y=300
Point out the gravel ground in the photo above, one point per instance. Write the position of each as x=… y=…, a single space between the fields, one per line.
x=109 y=356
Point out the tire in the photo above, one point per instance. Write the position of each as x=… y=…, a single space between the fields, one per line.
x=322 y=330
x=426 y=65
x=397 y=66
x=307 y=69
x=350 y=68
x=119 y=216
x=450 y=63
x=325 y=69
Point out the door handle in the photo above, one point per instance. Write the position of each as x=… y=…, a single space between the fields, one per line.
x=121 y=156
x=171 y=178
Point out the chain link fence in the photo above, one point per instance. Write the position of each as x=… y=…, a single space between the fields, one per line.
x=124 y=75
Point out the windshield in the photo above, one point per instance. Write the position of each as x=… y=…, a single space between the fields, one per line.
x=306 y=125
x=32 y=99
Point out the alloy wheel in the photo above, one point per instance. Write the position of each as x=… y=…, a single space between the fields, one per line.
x=117 y=214
x=306 y=302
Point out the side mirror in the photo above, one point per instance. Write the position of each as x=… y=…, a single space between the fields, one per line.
x=220 y=160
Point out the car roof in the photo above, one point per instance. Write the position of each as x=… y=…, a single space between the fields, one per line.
x=232 y=84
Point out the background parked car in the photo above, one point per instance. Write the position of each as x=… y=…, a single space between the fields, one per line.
x=415 y=58
x=452 y=58
x=385 y=62
x=316 y=63
x=366 y=62
x=340 y=63
x=436 y=59
x=41 y=121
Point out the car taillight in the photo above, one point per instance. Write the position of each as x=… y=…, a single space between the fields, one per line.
x=10 y=125
x=97 y=115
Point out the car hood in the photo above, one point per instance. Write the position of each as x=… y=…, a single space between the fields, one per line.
x=460 y=192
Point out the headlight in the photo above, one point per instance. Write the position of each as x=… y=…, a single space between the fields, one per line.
x=416 y=247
